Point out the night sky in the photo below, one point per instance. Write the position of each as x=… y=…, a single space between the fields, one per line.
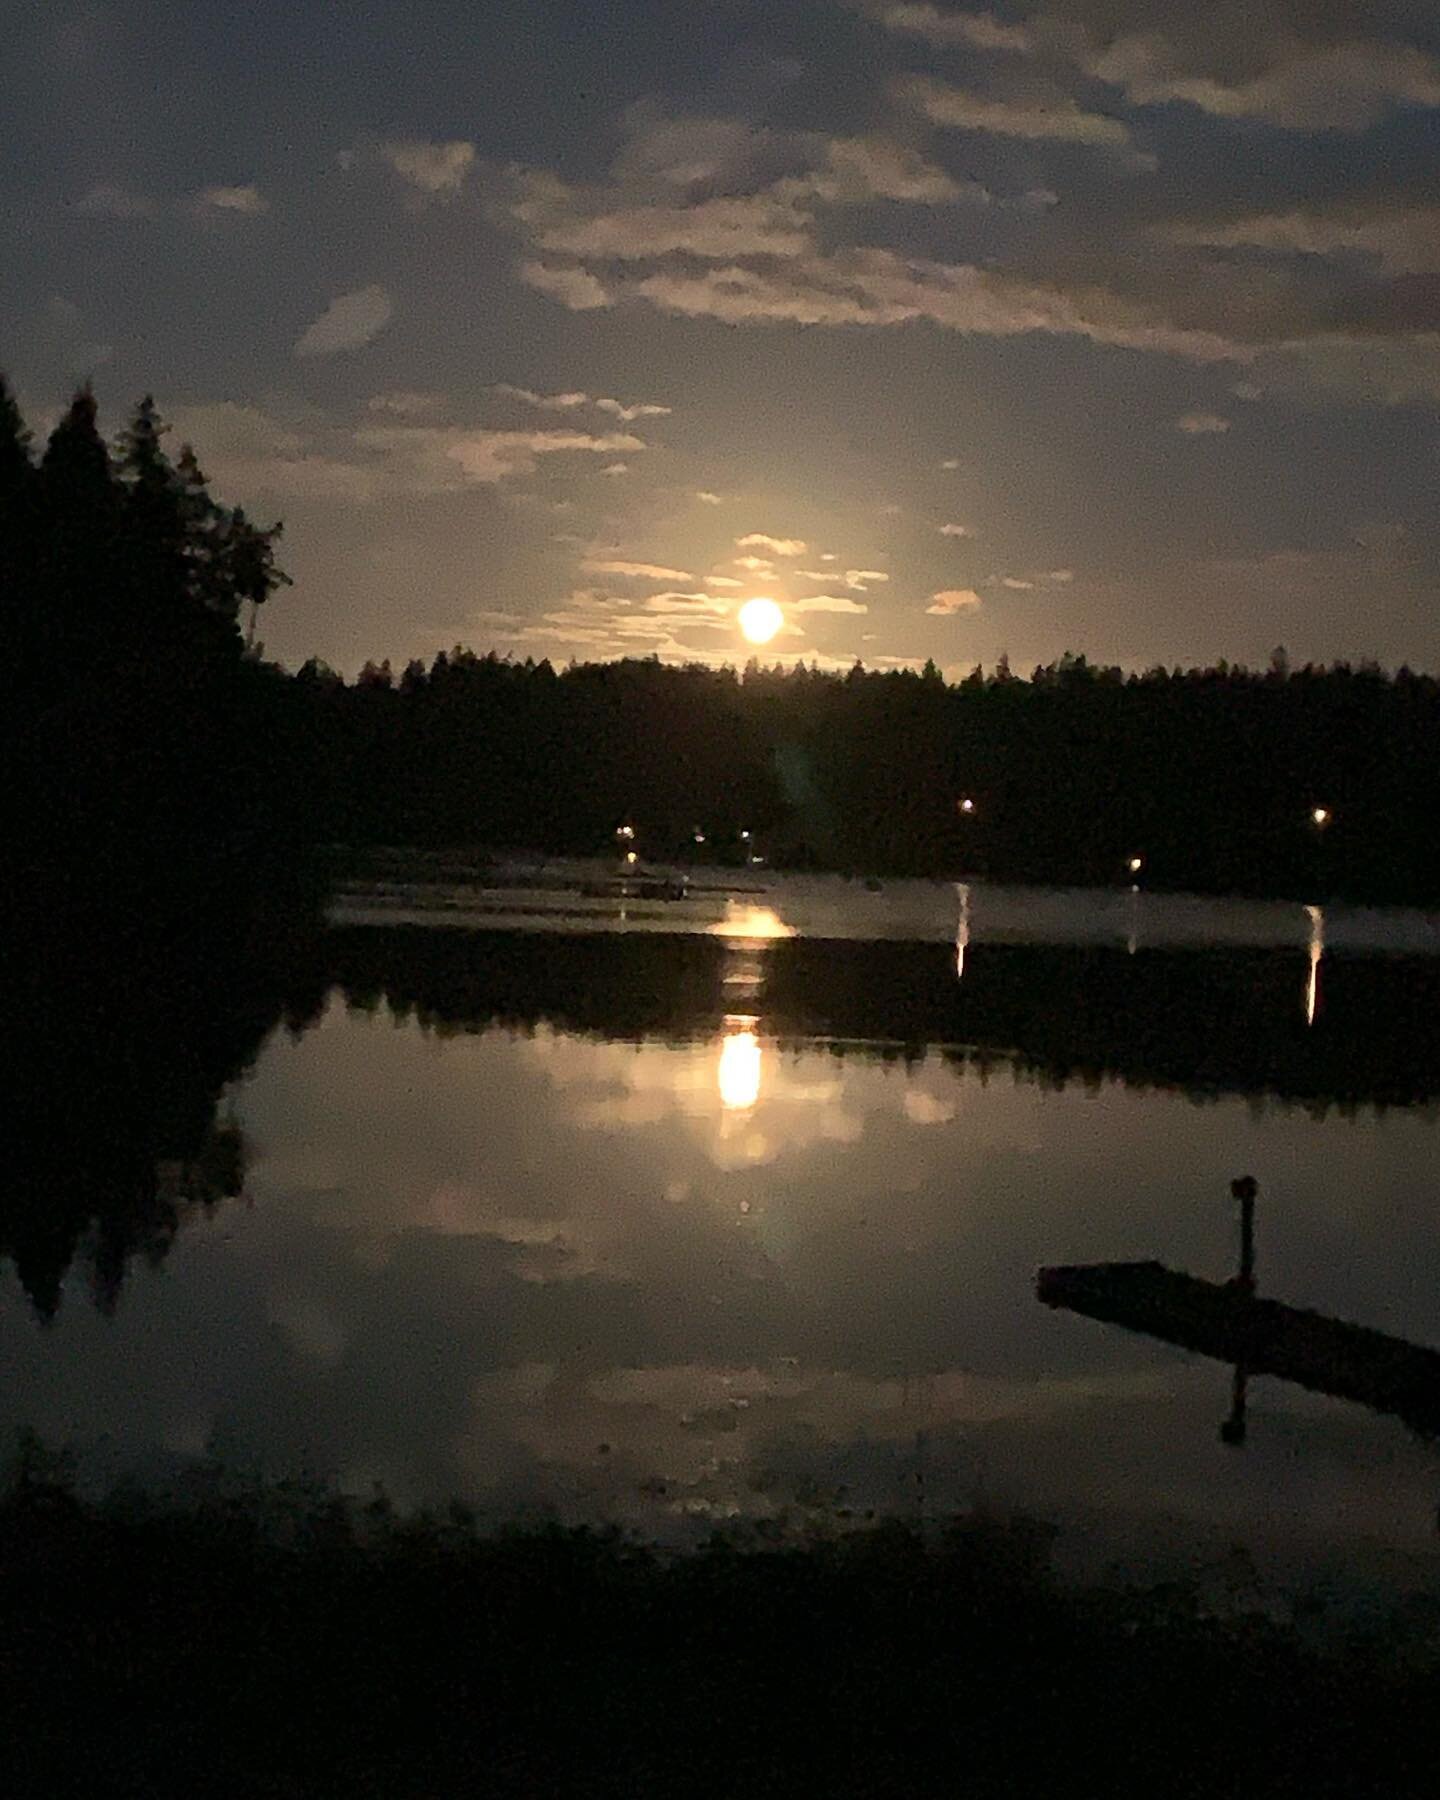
x=564 y=327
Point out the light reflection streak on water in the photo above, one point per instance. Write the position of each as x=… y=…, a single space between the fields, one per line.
x=962 y=929
x=758 y=923
x=1317 y=950
x=738 y=1075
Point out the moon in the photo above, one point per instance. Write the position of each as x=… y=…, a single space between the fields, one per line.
x=760 y=620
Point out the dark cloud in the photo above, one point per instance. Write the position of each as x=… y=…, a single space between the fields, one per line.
x=1034 y=234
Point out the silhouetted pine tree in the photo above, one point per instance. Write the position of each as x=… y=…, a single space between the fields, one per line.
x=126 y=580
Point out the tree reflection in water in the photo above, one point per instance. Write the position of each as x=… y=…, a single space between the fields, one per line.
x=127 y=1050
x=126 y=1042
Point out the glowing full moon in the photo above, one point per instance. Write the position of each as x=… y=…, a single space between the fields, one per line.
x=760 y=620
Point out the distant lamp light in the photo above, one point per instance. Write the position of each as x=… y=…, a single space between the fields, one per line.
x=699 y=837
x=1135 y=864
x=625 y=831
x=967 y=805
x=631 y=857
x=1320 y=816
x=744 y=837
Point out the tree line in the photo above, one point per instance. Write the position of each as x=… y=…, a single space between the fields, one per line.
x=1308 y=783
x=141 y=728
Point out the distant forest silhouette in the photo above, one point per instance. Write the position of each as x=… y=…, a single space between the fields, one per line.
x=1213 y=777
x=145 y=736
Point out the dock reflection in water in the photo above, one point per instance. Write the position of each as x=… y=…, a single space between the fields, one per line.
x=1232 y=1324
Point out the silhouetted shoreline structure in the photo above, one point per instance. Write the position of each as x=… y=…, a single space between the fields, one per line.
x=1231 y=1323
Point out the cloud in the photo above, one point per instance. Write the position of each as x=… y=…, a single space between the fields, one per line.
x=252 y=451
x=980 y=31
x=1016 y=583
x=862 y=578
x=1402 y=239
x=567 y=402
x=714 y=230
x=861 y=169
x=576 y=289
x=828 y=603
x=1339 y=86
x=347 y=323
x=760 y=540
x=67 y=331
x=614 y=625
x=438 y=169
x=642 y=409
x=404 y=403
x=248 y=200
x=616 y=468
x=1201 y=424
x=758 y=565
x=486 y=456
x=950 y=462
x=955 y=531
x=657 y=233
x=954 y=600
x=1057 y=118
x=693 y=604
x=723 y=581
x=547 y=402
x=871 y=286
x=709 y=498
x=766 y=176
x=1392 y=372
x=1061 y=577
x=639 y=571
x=698 y=151
x=108 y=200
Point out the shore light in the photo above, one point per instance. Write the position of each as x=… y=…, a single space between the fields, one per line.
x=1135 y=864
x=1320 y=816
x=967 y=805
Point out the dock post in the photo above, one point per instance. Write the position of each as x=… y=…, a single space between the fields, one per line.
x=1245 y=1190
x=1233 y=1430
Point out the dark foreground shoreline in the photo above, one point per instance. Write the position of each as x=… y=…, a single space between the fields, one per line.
x=290 y=1644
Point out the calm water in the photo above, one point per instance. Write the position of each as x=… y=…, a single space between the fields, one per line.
x=708 y=1216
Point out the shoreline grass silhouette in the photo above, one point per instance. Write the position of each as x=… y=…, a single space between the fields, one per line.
x=285 y=1642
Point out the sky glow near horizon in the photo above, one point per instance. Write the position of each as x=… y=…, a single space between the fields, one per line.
x=952 y=331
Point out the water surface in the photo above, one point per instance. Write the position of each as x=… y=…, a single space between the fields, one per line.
x=673 y=1227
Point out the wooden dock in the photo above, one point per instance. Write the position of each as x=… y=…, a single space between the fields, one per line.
x=1260 y=1337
